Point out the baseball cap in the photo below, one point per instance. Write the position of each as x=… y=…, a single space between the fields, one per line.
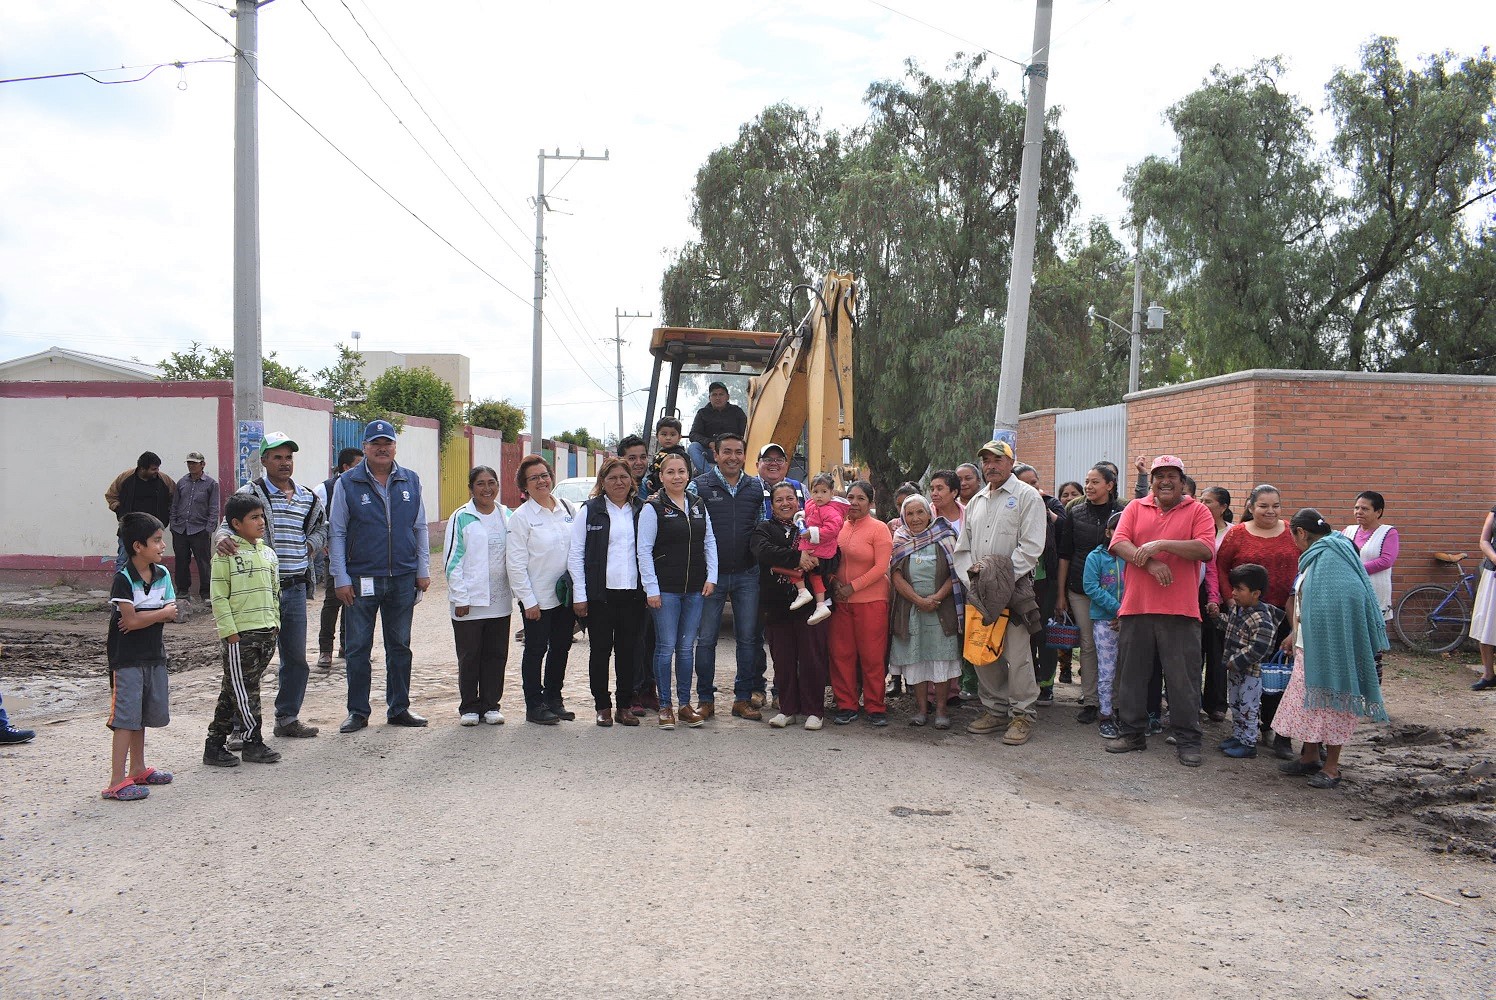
x=771 y=446
x=277 y=439
x=195 y=456
x=379 y=429
x=999 y=448
x=1166 y=462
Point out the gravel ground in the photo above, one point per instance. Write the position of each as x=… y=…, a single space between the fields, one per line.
x=727 y=861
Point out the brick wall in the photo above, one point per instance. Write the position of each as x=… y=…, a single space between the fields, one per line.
x=1425 y=442
x=1036 y=443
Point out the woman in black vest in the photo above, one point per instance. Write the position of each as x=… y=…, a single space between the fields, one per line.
x=606 y=591
x=678 y=564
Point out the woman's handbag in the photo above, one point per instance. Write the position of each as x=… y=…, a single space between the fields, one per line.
x=1061 y=633
x=1276 y=670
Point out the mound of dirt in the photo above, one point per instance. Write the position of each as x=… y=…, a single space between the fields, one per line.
x=65 y=654
x=1439 y=779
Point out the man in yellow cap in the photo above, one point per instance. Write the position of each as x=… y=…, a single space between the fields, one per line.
x=1006 y=517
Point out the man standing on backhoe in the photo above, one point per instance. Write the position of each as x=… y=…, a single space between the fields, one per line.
x=717 y=417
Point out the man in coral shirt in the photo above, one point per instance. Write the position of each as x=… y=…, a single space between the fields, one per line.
x=1163 y=538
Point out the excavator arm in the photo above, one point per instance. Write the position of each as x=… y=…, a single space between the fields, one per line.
x=807 y=384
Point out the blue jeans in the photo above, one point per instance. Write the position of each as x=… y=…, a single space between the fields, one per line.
x=742 y=587
x=676 y=621
x=293 y=667
x=701 y=457
x=393 y=601
x=121 y=556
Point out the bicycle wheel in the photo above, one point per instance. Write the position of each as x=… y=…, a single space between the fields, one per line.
x=1432 y=619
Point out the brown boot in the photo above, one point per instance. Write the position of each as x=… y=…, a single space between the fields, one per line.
x=689 y=716
x=707 y=710
x=605 y=717
x=745 y=710
x=626 y=718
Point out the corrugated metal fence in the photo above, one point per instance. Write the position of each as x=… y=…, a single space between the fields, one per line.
x=1084 y=437
x=347 y=432
x=456 y=461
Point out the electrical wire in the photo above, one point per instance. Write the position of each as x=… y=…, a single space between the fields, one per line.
x=394 y=114
x=528 y=240
x=148 y=67
x=950 y=34
x=352 y=163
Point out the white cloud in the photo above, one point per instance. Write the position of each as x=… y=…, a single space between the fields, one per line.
x=117 y=231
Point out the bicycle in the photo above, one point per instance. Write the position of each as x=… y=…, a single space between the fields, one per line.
x=1436 y=619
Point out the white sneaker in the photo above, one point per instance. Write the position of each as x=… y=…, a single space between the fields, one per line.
x=820 y=614
x=812 y=722
x=779 y=721
x=494 y=717
x=803 y=598
x=469 y=718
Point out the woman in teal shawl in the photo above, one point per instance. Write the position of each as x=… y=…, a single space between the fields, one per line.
x=1338 y=630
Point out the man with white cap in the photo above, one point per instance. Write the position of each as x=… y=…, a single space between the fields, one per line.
x=380 y=558
x=194 y=515
x=1163 y=538
x=296 y=528
x=1006 y=517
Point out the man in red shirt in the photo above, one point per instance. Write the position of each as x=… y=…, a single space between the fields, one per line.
x=1163 y=538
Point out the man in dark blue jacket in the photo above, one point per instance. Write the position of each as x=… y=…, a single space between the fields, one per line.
x=734 y=502
x=380 y=558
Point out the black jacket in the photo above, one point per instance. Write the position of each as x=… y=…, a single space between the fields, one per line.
x=733 y=517
x=773 y=547
x=1080 y=533
x=680 y=545
x=709 y=423
x=145 y=496
x=595 y=545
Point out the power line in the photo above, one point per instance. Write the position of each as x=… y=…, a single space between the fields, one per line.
x=949 y=34
x=435 y=126
x=148 y=67
x=393 y=113
x=352 y=163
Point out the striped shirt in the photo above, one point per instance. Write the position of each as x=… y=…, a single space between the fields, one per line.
x=288 y=515
x=246 y=589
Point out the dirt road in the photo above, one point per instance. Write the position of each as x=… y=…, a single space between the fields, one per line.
x=728 y=861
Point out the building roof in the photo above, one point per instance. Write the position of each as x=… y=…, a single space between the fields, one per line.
x=109 y=368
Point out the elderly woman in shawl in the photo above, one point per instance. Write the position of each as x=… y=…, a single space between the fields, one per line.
x=927 y=607
x=1338 y=630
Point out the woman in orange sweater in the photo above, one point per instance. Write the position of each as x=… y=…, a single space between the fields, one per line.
x=859 y=617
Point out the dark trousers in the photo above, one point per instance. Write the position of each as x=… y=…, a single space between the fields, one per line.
x=482 y=652
x=189 y=549
x=644 y=691
x=1156 y=688
x=1046 y=660
x=1175 y=641
x=333 y=621
x=614 y=624
x=238 y=707
x=547 y=643
x=1269 y=708
x=801 y=666
x=1213 y=694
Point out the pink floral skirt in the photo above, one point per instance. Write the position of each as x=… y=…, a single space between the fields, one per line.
x=1319 y=725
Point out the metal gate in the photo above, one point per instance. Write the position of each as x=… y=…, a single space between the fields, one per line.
x=347 y=432
x=1084 y=437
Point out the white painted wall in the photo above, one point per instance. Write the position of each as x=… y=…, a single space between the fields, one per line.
x=312 y=432
x=489 y=451
x=416 y=450
x=58 y=455
x=65 y=370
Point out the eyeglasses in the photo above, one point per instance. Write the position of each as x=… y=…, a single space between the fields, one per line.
x=539 y=477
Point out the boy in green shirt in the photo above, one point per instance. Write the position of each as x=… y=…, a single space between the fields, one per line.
x=246 y=608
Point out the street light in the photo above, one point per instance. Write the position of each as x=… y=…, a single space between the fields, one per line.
x=1155 y=321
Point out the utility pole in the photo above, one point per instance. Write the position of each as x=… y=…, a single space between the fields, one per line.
x=535 y=350
x=249 y=381
x=1135 y=362
x=617 y=339
x=1020 y=278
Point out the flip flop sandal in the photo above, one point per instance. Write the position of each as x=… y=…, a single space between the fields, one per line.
x=126 y=791
x=151 y=776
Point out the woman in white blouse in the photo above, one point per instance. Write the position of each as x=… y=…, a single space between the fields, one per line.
x=478 y=598
x=606 y=587
x=539 y=546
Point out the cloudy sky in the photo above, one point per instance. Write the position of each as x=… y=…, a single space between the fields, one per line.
x=116 y=228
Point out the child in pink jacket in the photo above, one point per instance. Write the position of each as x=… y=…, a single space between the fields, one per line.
x=820 y=524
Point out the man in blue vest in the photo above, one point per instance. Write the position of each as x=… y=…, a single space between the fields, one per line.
x=734 y=502
x=380 y=559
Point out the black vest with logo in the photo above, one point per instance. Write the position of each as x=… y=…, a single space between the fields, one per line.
x=680 y=545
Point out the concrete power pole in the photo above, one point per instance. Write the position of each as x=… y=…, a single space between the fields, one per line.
x=618 y=351
x=249 y=381
x=1135 y=359
x=1020 y=279
x=535 y=348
